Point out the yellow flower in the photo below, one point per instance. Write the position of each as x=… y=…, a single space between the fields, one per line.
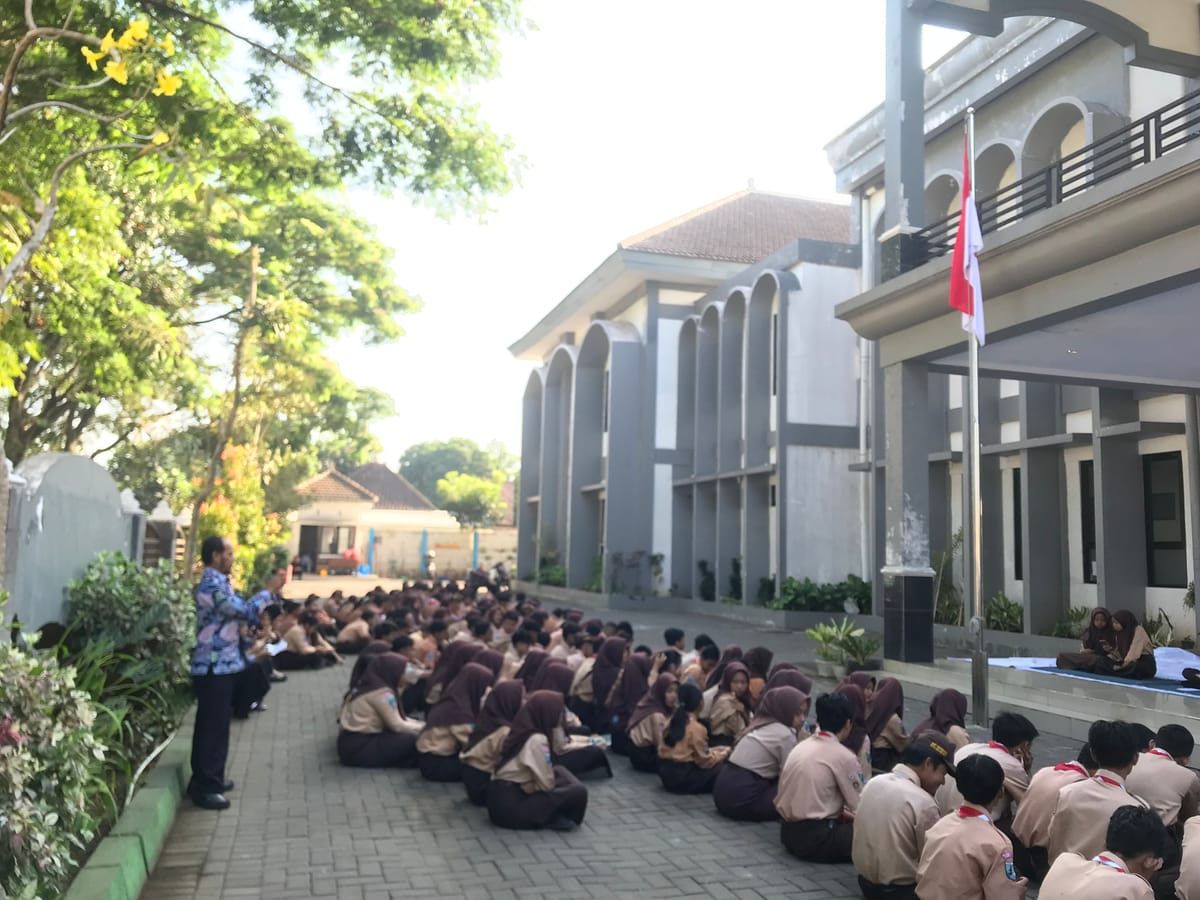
x=139 y=29
x=159 y=138
x=168 y=45
x=115 y=69
x=92 y=57
x=108 y=43
x=126 y=42
x=168 y=84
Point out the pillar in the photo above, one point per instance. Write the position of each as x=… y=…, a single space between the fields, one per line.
x=1047 y=585
x=904 y=130
x=907 y=578
x=991 y=489
x=1120 y=504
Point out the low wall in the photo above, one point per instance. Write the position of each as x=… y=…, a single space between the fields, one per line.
x=1002 y=644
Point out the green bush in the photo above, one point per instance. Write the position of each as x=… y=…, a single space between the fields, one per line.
x=808 y=596
x=1004 y=614
x=1074 y=625
x=553 y=576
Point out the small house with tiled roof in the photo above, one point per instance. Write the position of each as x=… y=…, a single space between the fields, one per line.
x=694 y=415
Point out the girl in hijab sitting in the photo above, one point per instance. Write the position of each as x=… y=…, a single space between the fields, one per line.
x=649 y=721
x=631 y=687
x=373 y=732
x=948 y=716
x=885 y=725
x=528 y=791
x=483 y=749
x=745 y=788
x=731 y=654
x=758 y=661
x=730 y=713
x=1097 y=643
x=858 y=741
x=609 y=662
x=448 y=725
x=686 y=764
x=1133 y=656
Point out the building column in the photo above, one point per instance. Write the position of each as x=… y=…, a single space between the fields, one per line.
x=991 y=490
x=756 y=552
x=1120 y=504
x=904 y=129
x=1192 y=463
x=907 y=577
x=1047 y=586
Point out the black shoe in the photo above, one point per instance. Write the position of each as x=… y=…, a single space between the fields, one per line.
x=562 y=823
x=210 y=801
x=228 y=786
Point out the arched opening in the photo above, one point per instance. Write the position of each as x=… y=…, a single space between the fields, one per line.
x=588 y=476
x=707 y=399
x=685 y=419
x=762 y=370
x=1059 y=131
x=733 y=330
x=554 y=505
x=996 y=170
x=943 y=197
x=531 y=470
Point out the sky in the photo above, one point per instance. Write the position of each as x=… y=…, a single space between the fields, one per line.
x=627 y=114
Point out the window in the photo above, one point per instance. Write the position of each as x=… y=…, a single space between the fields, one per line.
x=1166 y=544
x=1018 y=554
x=335 y=539
x=774 y=354
x=772 y=496
x=1087 y=512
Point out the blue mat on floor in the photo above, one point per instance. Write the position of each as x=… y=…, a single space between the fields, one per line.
x=1150 y=684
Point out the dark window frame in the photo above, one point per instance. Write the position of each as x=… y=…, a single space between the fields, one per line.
x=1018 y=546
x=1087 y=513
x=1149 y=460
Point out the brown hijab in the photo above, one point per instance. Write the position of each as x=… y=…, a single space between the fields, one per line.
x=780 y=704
x=732 y=653
x=490 y=659
x=608 y=666
x=451 y=661
x=655 y=700
x=727 y=681
x=554 y=675
x=864 y=680
x=500 y=708
x=758 y=661
x=858 y=702
x=541 y=714
x=383 y=670
x=635 y=681
x=947 y=709
x=1094 y=637
x=887 y=701
x=373 y=649
x=1129 y=624
x=459 y=704
x=530 y=666
x=789 y=678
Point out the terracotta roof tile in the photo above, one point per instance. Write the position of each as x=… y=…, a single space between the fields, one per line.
x=746 y=227
x=332 y=485
x=393 y=490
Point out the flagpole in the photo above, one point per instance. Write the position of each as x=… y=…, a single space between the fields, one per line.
x=979 y=660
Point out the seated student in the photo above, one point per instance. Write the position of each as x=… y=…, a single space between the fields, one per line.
x=449 y=723
x=483 y=749
x=758 y=662
x=673 y=640
x=858 y=740
x=373 y=731
x=1188 y=885
x=649 y=721
x=449 y=663
x=355 y=635
x=966 y=857
x=1133 y=849
x=746 y=786
x=864 y=681
x=306 y=647
x=884 y=713
x=1134 y=653
x=636 y=675
x=519 y=648
x=412 y=698
x=732 y=653
x=895 y=813
x=819 y=788
x=1012 y=747
x=787 y=675
x=686 y=764
x=527 y=791
x=1097 y=642
x=609 y=662
x=1031 y=825
x=730 y=713
x=693 y=656
x=582 y=698
x=697 y=672
x=1081 y=815
x=947 y=715
x=510 y=622
x=1162 y=778
x=492 y=660
x=562 y=643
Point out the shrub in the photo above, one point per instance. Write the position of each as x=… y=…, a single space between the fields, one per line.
x=553 y=576
x=1004 y=614
x=808 y=596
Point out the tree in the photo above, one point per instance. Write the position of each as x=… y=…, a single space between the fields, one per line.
x=475 y=502
x=424 y=465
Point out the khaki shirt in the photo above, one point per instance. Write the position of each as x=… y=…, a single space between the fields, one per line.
x=1172 y=790
x=764 y=751
x=486 y=753
x=693 y=748
x=958 y=736
x=1016 y=781
x=1074 y=878
x=649 y=731
x=512 y=663
x=1080 y=823
x=967 y=858
x=728 y=717
x=375 y=713
x=581 y=685
x=1188 y=886
x=1032 y=822
x=444 y=741
x=893 y=817
x=893 y=736
x=355 y=631
x=820 y=780
x=531 y=768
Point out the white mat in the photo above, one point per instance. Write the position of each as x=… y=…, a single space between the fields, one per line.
x=1171 y=662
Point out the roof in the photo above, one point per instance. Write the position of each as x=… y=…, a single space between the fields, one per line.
x=746 y=227
x=393 y=490
x=333 y=486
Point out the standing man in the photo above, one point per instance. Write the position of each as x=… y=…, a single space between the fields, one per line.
x=216 y=662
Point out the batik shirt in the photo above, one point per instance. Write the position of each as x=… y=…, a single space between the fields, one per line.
x=219 y=615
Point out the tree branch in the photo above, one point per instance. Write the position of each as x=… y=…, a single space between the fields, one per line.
x=71 y=107
x=30 y=38
x=29 y=15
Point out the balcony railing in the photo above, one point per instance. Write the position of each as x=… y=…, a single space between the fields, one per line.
x=1138 y=143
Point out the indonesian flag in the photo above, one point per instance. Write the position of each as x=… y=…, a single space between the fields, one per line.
x=965 y=293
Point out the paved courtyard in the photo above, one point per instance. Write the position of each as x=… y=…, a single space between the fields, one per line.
x=303 y=826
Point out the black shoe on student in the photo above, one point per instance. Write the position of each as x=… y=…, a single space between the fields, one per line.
x=562 y=823
x=210 y=801
x=228 y=786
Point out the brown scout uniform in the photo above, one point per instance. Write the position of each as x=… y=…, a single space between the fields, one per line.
x=486 y=753
x=820 y=779
x=374 y=713
x=444 y=740
x=581 y=685
x=728 y=717
x=966 y=857
x=1080 y=823
x=893 y=817
x=1172 y=790
x=649 y=731
x=1104 y=878
x=1188 y=885
x=1032 y=822
x=1016 y=781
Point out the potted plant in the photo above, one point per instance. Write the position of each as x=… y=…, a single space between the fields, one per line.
x=831 y=641
x=859 y=653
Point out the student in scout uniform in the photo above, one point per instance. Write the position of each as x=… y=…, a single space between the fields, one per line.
x=449 y=723
x=746 y=787
x=894 y=814
x=697 y=671
x=858 y=740
x=637 y=674
x=966 y=857
x=1081 y=815
x=686 y=764
x=373 y=731
x=528 y=791
x=582 y=697
x=884 y=725
x=1031 y=826
x=649 y=721
x=1188 y=885
x=1011 y=747
x=730 y=713
x=1162 y=778
x=819 y=788
x=487 y=738
x=1134 y=843
x=610 y=659
x=948 y=716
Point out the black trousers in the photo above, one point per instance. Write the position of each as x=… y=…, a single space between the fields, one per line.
x=644 y=759
x=476 y=782
x=581 y=760
x=744 y=795
x=439 y=768
x=1032 y=862
x=288 y=661
x=621 y=745
x=687 y=778
x=872 y=891
x=510 y=807
x=210 y=740
x=412 y=698
x=389 y=749
x=253 y=683
x=818 y=840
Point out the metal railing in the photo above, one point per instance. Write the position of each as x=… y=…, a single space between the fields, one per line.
x=1138 y=143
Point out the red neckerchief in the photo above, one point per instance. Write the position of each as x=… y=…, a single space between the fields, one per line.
x=828 y=734
x=1105 y=860
x=1071 y=767
x=970 y=812
x=1104 y=779
x=996 y=745
x=1163 y=753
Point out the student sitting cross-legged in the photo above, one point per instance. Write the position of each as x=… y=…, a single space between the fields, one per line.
x=745 y=789
x=483 y=748
x=649 y=721
x=1134 y=843
x=686 y=764
x=374 y=732
x=449 y=723
x=1031 y=826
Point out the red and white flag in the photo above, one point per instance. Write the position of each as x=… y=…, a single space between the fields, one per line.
x=965 y=293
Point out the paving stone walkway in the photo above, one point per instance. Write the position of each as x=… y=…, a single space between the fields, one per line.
x=302 y=826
